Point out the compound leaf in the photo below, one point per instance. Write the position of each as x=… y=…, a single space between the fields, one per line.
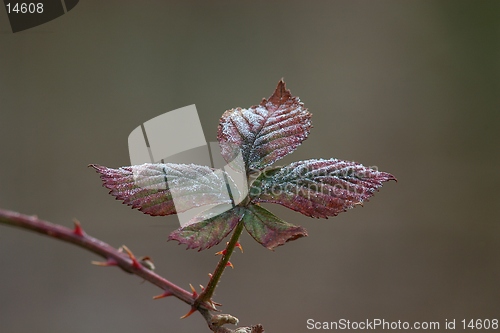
x=266 y=132
x=318 y=188
x=164 y=189
x=268 y=229
x=208 y=228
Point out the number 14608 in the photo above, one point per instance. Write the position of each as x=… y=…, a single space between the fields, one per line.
x=478 y=324
x=24 y=8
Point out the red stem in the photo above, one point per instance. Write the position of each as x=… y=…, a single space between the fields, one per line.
x=100 y=248
x=78 y=237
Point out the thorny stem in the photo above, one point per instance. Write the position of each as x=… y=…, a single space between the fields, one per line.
x=128 y=264
x=207 y=293
x=98 y=247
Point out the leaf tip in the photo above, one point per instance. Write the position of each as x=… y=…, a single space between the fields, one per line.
x=391 y=177
x=96 y=167
x=295 y=233
x=280 y=94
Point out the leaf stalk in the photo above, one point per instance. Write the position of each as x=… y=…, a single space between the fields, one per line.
x=207 y=293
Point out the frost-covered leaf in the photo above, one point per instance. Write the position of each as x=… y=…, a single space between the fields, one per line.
x=266 y=132
x=268 y=229
x=208 y=228
x=164 y=189
x=318 y=188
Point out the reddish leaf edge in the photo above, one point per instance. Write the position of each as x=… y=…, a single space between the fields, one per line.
x=280 y=94
x=101 y=170
x=325 y=217
x=385 y=175
x=279 y=237
x=279 y=97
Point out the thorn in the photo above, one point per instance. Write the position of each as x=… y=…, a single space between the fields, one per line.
x=107 y=263
x=210 y=275
x=238 y=245
x=78 y=228
x=193 y=310
x=212 y=305
x=215 y=303
x=195 y=294
x=165 y=294
x=202 y=288
x=223 y=252
x=229 y=264
x=135 y=263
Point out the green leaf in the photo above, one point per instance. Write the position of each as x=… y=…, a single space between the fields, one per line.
x=266 y=132
x=268 y=229
x=208 y=228
x=318 y=188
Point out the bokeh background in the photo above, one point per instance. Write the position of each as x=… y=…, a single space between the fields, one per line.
x=411 y=87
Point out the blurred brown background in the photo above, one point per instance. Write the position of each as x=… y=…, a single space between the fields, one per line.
x=411 y=87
